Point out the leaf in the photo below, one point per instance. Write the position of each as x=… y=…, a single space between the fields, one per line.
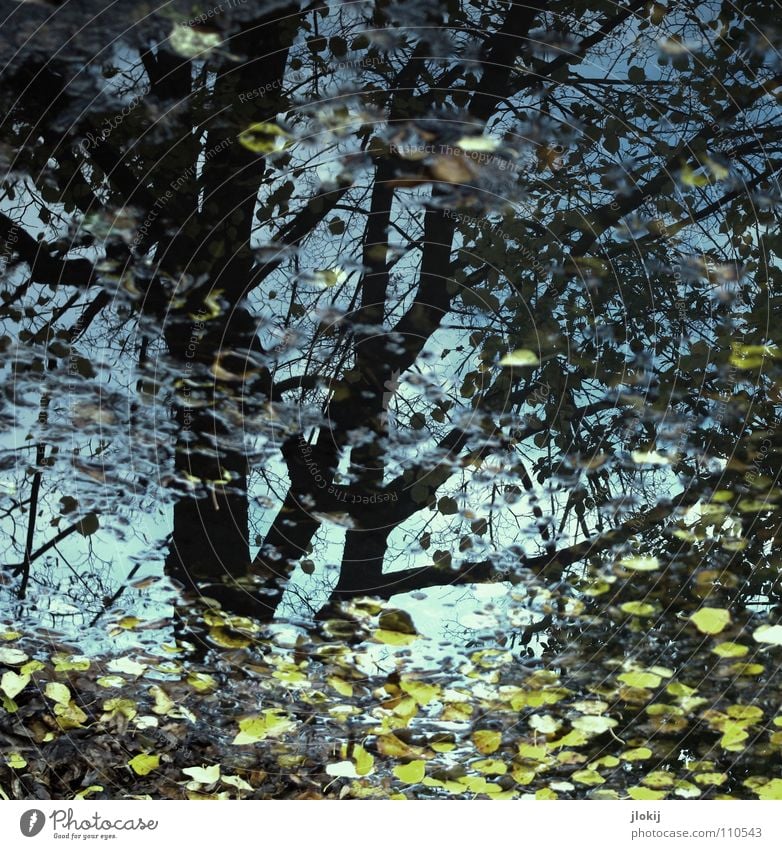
x=236 y=781
x=193 y=43
x=12 y=657
x=594 y=724
x=645 y=794
x=418 y=690
x=15 y=761
x=201 y=682
x=412 y=773
x=478 y=143
x=58 y=693
x=344 y=688
x=640 y=679
x=204 y=774
x=588 y=777
x=638 y=608
x=70 y=663
x=88 y=525
x=487 y=742
x=771 y=791
x=544 y=724
x=640 y=563
x=710 y=620
x=490 y=766
x=641 y=753
x=163 y=703
x=394 y=638
x=119 y=707
x=729 y=649
x=364 y=761
x=88 y=791
x=126 y=665
x=651 y=457
x=12 y=684
x=144 y=764
x=264 y=137
x=520 y=358
x=771 y=634
x=253 y=729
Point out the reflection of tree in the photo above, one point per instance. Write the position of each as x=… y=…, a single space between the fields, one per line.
x=280 y=316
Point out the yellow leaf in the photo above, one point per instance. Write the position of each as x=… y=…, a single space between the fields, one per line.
x=144 y=764
x=70 y=663
x=640 y=679
x=490 y=766
x=593 y=724
x=728 y=649
x=163 y=704
x=15 y=761
x=641 y=753
x=88 y=791
x=640 y=564
x=58 y=693
x=264 y=137
x=520 y=359
x=192 y=43
x=203 y=774
x=126 y=665
x=394 y=638
x=771 y=791
x=272 y=723
x=710 y=620
x=364 y=761
x=12 y=684
x=487 y=742
x=638 y=608
x=344 y=688
x=587 y=776
x=12 y=657
x=412 y=773
x=771 y=634
x=201 y=682
x=418 y=690
x=645 y=794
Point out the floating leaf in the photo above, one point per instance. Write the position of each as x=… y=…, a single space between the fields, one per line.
x=58 y=693
x=729 y=649
x=412 y=773
x=364 y=761
x=12 y=657
x=588 y=777
x=271 y=723
x=640 y=564
x=490 y=766
x=128 y=666
x=771 y=634
x=70 y=663
x=770 y=791
x=638 y=608
x=264 y=137
x=710 y=620
x=520 y=358
x=640 y=679
x=192 y=42
x=422 y=693
x=12 y=684
x=487 y=742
